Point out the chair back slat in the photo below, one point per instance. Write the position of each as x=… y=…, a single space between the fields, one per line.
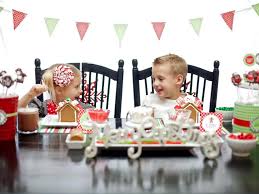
x=82 y=88
x=197 y=87
x=96 y=88
x=152 y=88
x=146 y=88
x=195 y=74
x=102 y=91
x=108 y=93
x=203 y=90
x=190 y=91
x=89 y=87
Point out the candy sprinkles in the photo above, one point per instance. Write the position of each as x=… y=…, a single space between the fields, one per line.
x=7 y=81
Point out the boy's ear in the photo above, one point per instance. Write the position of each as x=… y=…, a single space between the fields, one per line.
x=179 y=79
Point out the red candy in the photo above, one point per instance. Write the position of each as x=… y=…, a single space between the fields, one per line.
x=242 y=136
x=236 y=79
x=98 y=115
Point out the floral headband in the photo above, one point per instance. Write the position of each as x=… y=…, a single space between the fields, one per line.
x=63 y=75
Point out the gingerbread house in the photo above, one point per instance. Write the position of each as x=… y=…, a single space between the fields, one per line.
x=195 y=112
x=68 y=111
x=192 y=103
x=76 y=135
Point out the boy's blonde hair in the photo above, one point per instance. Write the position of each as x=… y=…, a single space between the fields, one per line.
x=177 y=64
x=47 y=78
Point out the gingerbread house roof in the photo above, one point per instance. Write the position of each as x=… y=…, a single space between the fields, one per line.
x=68 y=103
x=188 y=104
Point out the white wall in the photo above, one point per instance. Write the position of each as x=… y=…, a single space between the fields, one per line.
x=216 y=41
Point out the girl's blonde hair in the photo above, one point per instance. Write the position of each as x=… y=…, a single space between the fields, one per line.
x=47 y=78
x=177 y=64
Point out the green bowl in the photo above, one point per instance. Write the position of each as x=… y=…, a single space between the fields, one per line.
x=225 y=108
x=227 y=112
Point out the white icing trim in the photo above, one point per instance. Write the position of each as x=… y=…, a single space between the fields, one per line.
x=246 y=85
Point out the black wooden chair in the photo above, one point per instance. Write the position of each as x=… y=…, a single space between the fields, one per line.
x=95 y=77
x=195 y=82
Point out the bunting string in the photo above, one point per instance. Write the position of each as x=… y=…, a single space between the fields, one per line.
x=120 y=29
x=245 y=9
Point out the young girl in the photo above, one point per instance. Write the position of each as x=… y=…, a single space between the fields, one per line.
x=62 y=81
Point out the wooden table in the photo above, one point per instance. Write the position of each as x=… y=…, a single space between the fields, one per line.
x=41 y=163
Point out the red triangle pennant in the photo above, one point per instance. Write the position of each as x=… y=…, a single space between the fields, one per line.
x=18 y=17
x=82 y=28
x=228 y=17
x=158 y=27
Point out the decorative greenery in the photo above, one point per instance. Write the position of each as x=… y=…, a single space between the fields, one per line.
x=225 y=108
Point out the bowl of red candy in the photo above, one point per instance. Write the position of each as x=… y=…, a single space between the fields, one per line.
x=98 y=115
x=241 y=143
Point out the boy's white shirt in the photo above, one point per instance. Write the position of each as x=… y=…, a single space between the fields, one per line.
x=161 y=105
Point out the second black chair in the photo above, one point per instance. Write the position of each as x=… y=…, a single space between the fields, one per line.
x=197 y=78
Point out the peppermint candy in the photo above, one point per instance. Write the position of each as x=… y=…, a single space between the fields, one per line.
x=63 y=75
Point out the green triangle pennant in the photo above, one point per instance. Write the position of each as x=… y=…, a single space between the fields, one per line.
x=1 y=8
x=120 y=30
x=196 y=24
x=256 y=8
x=51 y=24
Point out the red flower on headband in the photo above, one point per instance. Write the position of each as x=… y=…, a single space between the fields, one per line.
x=63 y=75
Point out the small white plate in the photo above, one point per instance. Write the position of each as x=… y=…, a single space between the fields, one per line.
x=75 y=144
x=89 y=123
x=52 y=121
x=27 y=132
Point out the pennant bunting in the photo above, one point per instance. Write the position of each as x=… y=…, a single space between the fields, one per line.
x=256 y=8
x=18 y=17
x=196 y=24
x=51 y=24
x=120 y=30
x=158 y=27
x=228 y=17
x=82 y=28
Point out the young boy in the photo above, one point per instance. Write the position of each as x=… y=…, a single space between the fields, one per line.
x=168 y=74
